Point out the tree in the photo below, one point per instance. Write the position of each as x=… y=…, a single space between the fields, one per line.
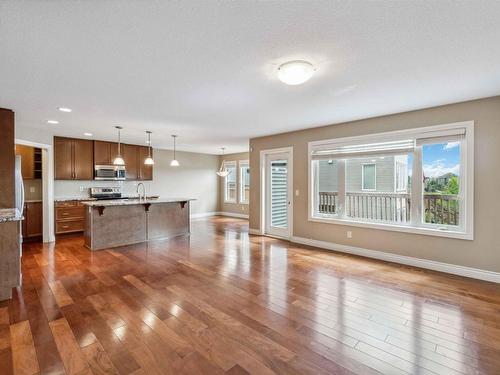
x=452 y=187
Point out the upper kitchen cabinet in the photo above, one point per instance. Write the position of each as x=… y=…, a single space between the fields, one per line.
x=31 y=162
x=105 y=152
x=145 y=172
x=131 y=158
x=73 y=159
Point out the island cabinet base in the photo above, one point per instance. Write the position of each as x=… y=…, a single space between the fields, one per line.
x=110 y=226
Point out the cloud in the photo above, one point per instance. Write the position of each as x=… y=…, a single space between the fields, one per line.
x=438 y=169
x=451 y=145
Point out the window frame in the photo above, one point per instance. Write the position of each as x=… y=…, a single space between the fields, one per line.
x=230 y=164
x=242 y=164
x=363 y=176
x=417 y=226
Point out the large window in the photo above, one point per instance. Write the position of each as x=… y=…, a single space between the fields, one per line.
x=417 y=180
x=244 y=182
x=230 y=182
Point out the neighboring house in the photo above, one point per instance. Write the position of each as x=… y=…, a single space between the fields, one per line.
x=383 y=174
x=441 y=181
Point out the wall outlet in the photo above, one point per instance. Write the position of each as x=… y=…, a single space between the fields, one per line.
x=242 y=208
x=297 y=192
x=82 y=188
x=349 y=234
x=32 y=189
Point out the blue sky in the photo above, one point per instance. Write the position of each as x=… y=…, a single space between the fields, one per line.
x=442 y=158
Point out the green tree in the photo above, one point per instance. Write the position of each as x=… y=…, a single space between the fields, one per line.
x=452 y=186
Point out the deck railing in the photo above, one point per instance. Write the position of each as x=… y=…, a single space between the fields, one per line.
x=391 y=207
x=441 y=209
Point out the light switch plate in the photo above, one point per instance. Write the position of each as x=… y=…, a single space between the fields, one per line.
x=32 y=189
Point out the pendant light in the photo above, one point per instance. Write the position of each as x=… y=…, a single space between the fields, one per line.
x=223 y=171
x=149 y=160
x=119 y=160
x=174 y=162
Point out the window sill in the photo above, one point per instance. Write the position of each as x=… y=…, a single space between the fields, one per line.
x=397 y=228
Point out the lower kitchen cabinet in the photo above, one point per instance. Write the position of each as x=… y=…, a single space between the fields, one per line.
x=32 y=227
x=69 y=216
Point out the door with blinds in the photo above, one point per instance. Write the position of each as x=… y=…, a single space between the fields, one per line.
x=278 y=195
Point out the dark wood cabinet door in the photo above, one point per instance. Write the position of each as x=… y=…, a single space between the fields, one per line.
x=27 y=154
x=63 y=158
x=145 y=171
x=83 y=159
x=34 y=219
x=102 y=153
x=130 y=156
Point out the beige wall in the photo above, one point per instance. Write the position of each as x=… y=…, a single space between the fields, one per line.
x=483 y=252
x=194 y=178
x=236 y=208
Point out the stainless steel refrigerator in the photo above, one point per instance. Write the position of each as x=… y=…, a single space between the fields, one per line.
x=19 y=186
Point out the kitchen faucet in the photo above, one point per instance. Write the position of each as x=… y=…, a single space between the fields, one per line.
x=143 y=191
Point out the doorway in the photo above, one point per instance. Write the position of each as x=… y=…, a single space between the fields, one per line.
x=277 y=215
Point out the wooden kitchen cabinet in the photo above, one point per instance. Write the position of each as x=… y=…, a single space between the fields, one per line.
x=145 y=172
x=70 y=217
x=131 y=158
x=33 y=220
x=73 y=159
x=105 y=152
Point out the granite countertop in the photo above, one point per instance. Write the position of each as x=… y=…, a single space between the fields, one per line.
x=10 y=214
x=134 y=201
x=66 y=199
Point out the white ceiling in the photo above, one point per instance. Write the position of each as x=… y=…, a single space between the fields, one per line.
x=205 y=70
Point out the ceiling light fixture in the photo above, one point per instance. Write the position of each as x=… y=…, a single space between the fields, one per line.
x=53 y=122
x=149 y=160
x=174 y=162
x=223 y=171
x=119 y=160
x=295 y=72
x=64 y=109
x=88 y=134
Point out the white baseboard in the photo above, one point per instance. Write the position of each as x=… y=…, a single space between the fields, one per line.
x=233 y=214
x=254 y=231
x=203 y=214
x=218 y=213
x=474 y=273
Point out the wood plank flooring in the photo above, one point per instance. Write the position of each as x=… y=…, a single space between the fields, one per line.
x=223 y=302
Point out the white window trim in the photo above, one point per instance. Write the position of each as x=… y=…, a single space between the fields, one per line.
x=241 y=164
x=230 y=164
x=363 y=177
x=466 y=232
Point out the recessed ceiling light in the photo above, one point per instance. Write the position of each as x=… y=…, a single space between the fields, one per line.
x=64 y=109
x=295 y=72
x=53 y=122
x=88 y=134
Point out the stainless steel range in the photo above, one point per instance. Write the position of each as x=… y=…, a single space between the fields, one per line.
x=106 y=193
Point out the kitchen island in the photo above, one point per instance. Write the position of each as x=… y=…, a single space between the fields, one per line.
x=112 y=223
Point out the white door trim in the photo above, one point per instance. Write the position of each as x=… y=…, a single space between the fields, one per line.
x=47 y=187
x=263 y=157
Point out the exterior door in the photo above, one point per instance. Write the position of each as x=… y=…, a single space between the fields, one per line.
x=278 y=194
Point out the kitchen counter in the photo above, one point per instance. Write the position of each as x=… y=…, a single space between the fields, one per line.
x=120 y=222
x=10 y=214
x=67 y=199
x=134 y=201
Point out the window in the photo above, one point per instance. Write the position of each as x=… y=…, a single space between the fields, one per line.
x=230 y=182
x=417 y=180
x=244 y=182
x=369 y=177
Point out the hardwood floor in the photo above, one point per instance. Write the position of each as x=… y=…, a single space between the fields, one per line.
x=221 y=302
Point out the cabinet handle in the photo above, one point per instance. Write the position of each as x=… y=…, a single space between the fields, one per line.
x=65 y=213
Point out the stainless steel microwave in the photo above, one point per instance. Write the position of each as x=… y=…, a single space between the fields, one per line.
x=109 y=172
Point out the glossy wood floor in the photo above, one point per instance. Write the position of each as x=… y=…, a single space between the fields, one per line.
x=221 y=302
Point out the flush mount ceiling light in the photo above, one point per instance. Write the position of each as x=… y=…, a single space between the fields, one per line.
x=223 y=171
x=174 y=162
x=88 y=134
x=149 y=160
x=64 y=109
x=119 y=160
x=295 y=72
x=53 y=122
